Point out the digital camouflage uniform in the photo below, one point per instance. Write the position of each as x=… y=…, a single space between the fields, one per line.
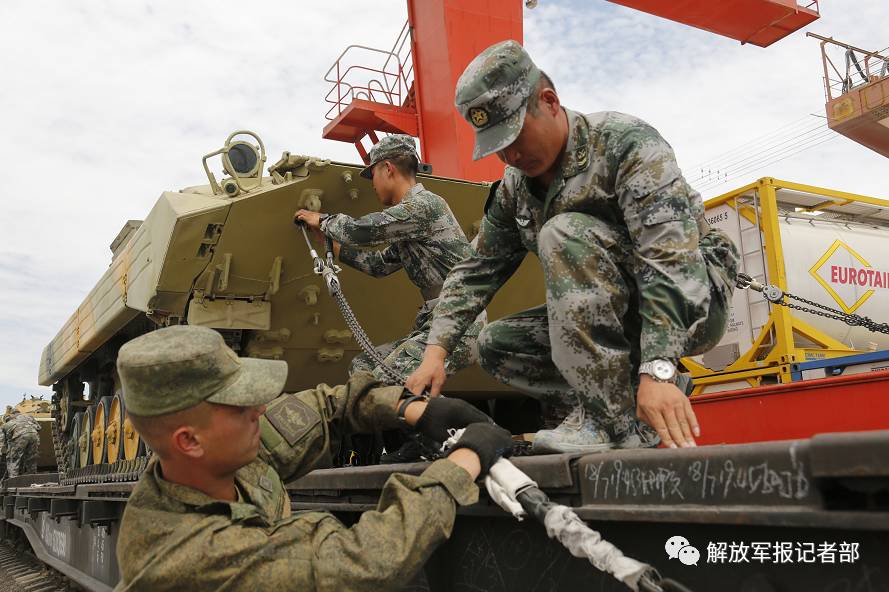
x=21 y=436
x=423 y=237
x=174 y=537
x=633 y=271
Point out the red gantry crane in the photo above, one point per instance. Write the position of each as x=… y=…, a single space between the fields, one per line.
x=409 y=88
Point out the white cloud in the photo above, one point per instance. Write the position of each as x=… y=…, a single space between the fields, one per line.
x=106 y=104
x=708 y=94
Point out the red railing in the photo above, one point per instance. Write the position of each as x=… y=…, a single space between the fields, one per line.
x=371 y=74
x=847 y=67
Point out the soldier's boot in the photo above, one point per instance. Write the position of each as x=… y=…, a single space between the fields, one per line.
x=628 y=431
x=577 y=433
x=408 y=452
x=554 y=414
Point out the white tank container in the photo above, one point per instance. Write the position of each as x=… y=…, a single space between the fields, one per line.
x=839 y=264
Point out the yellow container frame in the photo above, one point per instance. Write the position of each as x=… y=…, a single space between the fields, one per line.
x=752 y=368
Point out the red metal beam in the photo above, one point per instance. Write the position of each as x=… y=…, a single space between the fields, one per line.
x=758 y=22
x=361 y=116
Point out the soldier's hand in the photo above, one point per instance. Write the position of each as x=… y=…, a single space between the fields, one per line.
x=308 y=217
x=430 y=374
x=489 y=441
x=442 y=414
x=665 y=408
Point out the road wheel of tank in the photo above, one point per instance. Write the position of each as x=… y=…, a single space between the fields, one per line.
x=133 y=445
x=114 y=429
x=100 y=423
x=123 y=441
x=84 y=444
x=64 y=413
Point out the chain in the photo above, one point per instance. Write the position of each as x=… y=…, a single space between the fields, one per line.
x=327 y=269
x=777 y=296
x=59 y=443
x=362 y=338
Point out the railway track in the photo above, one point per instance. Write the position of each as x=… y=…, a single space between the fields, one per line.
x=22 y=572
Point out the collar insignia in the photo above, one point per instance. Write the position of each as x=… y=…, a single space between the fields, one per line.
x=582 y=156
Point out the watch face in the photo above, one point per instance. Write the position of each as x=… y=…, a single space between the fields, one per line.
x=663 y=370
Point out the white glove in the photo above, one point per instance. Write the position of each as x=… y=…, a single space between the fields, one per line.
x=504 y=482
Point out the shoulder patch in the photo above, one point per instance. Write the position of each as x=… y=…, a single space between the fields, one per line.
x=292 y=419
x=492 y=192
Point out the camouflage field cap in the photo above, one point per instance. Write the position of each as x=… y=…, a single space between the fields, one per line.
x=390 y=147
x=492 y=95
x=175 y=368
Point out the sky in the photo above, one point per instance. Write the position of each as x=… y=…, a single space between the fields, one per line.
x=105 y=104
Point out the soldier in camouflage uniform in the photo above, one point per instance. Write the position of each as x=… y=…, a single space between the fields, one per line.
x=421 y=236
x=3 y=446
x=22 y=440
x=210 y=512
x=635 y=277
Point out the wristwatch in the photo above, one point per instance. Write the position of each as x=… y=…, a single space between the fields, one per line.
x=660 y=369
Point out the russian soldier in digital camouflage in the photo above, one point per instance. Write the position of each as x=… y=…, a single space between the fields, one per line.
x=419 y=234
x=635 y=276
x=210 y=512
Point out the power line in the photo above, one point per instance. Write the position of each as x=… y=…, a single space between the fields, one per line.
x=743 y=159
x=767 y=159
x=771 y=135
x=758 y=166
x=818 y=139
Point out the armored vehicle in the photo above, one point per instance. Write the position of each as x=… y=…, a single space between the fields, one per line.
x=227 y=255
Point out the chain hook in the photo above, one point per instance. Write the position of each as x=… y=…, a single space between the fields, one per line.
x=771 y=293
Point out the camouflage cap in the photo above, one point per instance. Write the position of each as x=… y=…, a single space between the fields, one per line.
x=390 y=147
x=175 y=368
x=492 y=95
